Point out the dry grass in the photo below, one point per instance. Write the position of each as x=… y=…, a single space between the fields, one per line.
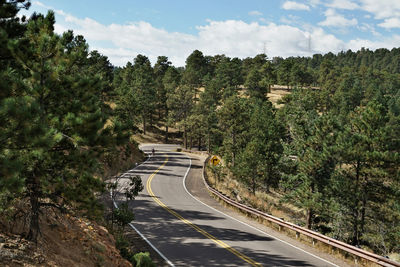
x=269 y=203
x=266 y=202
x=275 y=95
x=157 y=135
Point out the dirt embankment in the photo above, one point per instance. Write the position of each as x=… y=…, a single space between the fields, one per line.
x=65 y=240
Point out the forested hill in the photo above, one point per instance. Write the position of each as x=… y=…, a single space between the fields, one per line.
x=332 y=152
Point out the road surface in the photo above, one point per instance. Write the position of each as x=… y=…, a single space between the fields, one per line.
x=188 y=232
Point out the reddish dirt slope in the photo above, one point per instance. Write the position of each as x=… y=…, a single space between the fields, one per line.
x=65 y=240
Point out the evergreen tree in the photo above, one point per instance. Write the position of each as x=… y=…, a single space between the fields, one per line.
x=61 y=144
x=233 y=120
x=368 y=165
x=144 y=89
x=16 y=111
x=160 y=68
x=171 y=81
x=258 y=161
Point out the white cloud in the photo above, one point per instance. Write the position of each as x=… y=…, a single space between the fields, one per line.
x=388 y=43
x=314 y=3
x=343 y=4
x=321 y=42
x=234 y=38
x=365 y=27
x=336 y=20
x=390 y=23
x=382 y=9
x=37 y=3
x=291 y=20
x=291 y=5
x=255 y=13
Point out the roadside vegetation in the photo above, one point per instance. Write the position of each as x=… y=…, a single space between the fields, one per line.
x=328 y=151
x=328 y=156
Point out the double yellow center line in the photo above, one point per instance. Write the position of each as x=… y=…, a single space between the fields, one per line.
x=195 y=227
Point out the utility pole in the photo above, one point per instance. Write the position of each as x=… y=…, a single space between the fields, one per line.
x=265 y=47
x=264 y=50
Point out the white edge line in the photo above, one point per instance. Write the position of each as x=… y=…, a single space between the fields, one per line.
x=187 y=191
x=134 y=228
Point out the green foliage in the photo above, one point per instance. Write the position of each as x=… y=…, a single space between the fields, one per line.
x=368 y=163
x=233 y=118
x=332 y=151
x=195 y=69
x=254 y=85
x=123 y=215
x=122 y=244
x=54 y=129
x=142 y=259
x=135 y=185
x=258 y=162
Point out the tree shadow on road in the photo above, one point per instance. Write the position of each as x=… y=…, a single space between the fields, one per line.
x=182 y=243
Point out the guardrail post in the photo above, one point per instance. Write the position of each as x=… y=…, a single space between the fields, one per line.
x=297 y=235
x=313 y=242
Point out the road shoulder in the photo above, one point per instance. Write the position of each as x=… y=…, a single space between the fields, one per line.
x=195 y=185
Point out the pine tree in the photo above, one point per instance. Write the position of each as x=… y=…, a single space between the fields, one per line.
x=368 y=169
x=258 y=161
x=233 y=120
x=171 y=81
x=16 y=110
x=160 y=68
x=61 y=144
x=144 y=88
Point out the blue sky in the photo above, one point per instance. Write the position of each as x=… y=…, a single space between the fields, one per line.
x=121 y=29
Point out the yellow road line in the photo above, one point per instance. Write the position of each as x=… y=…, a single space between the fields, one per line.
x=195 y=227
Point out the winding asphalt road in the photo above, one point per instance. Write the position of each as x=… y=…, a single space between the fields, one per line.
x=188 y=232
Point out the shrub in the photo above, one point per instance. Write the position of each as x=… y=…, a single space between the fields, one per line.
x=142 y=259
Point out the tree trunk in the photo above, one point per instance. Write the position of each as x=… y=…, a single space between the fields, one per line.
x=363 y=209
x=310 y=211
x=309 y=219
x=185 y=136
x=166 y=134
x=208 y=142
x=355 y=227
x=144 y=124
x=199 y=143
x=355 y=239
x=233 y=149
x=191 y=141
x=266 y=180
x=166 y=125
x=34 y=216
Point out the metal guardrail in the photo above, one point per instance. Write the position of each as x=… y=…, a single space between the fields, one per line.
x=363 y=254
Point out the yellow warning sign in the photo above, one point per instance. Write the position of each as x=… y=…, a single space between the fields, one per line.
x=215 y=160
